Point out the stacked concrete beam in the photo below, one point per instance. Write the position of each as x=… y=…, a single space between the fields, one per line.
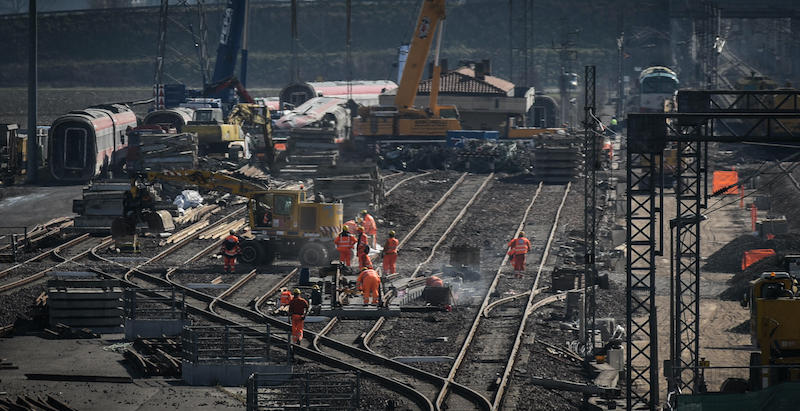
x=86 y=303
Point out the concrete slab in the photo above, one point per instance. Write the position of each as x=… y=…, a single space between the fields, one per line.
x=33 y=354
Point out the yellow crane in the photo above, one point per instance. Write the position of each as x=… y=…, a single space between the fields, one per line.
x=405 y=120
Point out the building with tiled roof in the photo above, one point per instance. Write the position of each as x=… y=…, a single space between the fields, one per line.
x=484 y=102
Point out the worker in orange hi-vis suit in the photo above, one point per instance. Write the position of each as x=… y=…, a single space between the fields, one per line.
x=352 y=225
x=362 y=245
x=344 y=244
x=517 y=248
x=370 y=228
x=298 y=308
x=369 y=281
x=230 y=249
x=390 y=254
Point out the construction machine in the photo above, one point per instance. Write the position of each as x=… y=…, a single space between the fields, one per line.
x=255 y=120
x=282 y=222
x=404 y=120
x=774 y=329
x=12 y=153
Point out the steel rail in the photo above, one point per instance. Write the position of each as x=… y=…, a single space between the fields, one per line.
x=275 y=288
x=531 y=306
x=505 y=300
x=452 y=225
x=42 y=273
x=474 y=328
x=323 y=332
x=436 y=206
x=235 y=286
x=371 y=333
x=43 y=255
x=403 y=181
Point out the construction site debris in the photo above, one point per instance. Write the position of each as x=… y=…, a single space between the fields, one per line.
x=187 y=199
x=153 y=150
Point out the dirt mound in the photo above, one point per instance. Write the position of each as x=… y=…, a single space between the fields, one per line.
x=741 y=281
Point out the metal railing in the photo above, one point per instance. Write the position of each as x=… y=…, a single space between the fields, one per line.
x=146 y=305
x=16 y=242
x=230 y=345
x=734 y=378
x=304 y=391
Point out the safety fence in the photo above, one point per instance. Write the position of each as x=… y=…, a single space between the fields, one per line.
x=230 y=345
x=161 y=304
x=304 y=391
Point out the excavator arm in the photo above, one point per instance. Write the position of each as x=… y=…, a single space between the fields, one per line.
x=207 y=180
x=431 y=15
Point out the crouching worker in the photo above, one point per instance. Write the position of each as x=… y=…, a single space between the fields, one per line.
x=369 y=283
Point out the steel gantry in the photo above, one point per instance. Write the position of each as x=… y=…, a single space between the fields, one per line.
x=590 y=208
x=706 y=116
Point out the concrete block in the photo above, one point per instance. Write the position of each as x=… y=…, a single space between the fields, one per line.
x=573 y=305
x=564 y=279
x=153 y=328
x=88 y=322
x=86 y=313
x=229 y=375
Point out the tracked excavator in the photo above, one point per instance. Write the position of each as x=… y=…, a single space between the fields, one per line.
x=283 y=222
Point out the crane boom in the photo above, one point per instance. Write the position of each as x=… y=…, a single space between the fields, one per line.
x=208 y=180
x=431 y=14
x=230 y=40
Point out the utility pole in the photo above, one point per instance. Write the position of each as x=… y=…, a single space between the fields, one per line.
x=620 y=65
x=243 y=69
x=349 y=55
x=587 y=320
x=33 y=80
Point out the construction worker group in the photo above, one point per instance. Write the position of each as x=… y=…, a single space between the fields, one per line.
x=361 y=234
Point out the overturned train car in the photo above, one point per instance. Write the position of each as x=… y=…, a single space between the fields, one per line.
x=85 y=143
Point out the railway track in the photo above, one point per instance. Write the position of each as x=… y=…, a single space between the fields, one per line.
x=70 y=252
x=405 y=180
x=395 y=376
x=487 y=350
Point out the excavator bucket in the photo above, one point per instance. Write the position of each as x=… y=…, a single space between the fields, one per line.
x=160 y=221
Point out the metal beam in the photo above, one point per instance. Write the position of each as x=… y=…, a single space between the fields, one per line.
x=590 y=209
x=648 y=135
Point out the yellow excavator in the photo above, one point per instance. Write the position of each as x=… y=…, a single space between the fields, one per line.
x=775 y=329
x=404 y=120
x=283 y=222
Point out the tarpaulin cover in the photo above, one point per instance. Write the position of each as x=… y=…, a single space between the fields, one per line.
x=752 y=256
x=724 y=179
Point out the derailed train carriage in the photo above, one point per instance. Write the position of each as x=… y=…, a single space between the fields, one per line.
x=85 y=143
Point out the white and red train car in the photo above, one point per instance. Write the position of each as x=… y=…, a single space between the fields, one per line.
x=364 y=92
x=85 y=143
